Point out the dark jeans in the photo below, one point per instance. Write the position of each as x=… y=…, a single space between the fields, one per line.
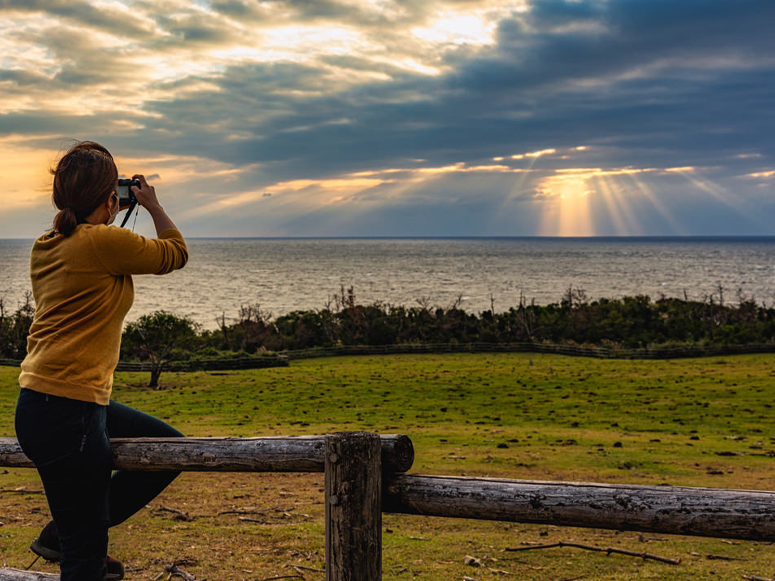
x=69 y=442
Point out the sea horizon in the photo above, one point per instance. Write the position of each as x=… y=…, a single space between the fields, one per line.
x=285 y=274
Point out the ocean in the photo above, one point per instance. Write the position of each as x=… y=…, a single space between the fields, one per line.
x=287 y=274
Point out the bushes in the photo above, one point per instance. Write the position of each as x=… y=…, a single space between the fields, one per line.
x=14 y=329
x=629 y=322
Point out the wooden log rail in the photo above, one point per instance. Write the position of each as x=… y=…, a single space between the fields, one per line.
x=271 y=454
x=705 y=512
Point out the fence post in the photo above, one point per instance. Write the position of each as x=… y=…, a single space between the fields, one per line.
x=353 y=507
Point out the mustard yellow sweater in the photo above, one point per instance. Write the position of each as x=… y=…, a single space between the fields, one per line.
x=82 y=286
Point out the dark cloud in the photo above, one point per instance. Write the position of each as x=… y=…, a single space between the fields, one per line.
x=192 y=30
x=550 y=14
x=80 y=12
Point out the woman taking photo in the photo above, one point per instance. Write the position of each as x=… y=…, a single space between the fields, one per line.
x=81 y=273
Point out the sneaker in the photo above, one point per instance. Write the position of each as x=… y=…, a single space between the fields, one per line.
x=114 y=569
x=47 y=546
x=47 y=543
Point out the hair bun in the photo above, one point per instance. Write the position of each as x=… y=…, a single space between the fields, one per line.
x=65 y=221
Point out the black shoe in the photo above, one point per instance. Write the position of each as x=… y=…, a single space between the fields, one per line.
x=47 y=543
x=47 y=546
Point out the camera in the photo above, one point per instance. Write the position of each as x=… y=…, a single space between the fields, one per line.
x=126 y=196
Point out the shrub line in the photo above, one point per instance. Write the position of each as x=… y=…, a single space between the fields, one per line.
x=281 y=358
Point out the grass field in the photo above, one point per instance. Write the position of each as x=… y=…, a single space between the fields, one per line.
x=506 y=415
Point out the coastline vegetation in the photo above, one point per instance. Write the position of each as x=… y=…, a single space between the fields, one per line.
x=625 y=323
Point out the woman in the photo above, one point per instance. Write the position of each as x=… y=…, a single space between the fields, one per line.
x=81 y=275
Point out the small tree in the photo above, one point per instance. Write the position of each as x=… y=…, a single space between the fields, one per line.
x=155 y=337
x=15 y=328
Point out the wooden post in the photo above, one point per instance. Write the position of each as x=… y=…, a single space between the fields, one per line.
x=353 y=507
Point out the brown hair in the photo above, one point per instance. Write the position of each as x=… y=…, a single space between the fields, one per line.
x=83 y=179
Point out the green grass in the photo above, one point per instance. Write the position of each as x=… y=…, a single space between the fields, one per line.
x=524 y=416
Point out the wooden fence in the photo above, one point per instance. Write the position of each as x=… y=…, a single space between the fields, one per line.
x=364 y=478
x=656 y=352
x=281 y=358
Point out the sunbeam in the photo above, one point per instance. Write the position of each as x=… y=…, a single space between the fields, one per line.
x=619 y=210
x=648 y=194
x=718 y=193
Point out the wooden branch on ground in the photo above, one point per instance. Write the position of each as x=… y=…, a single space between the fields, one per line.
x=723 y=558
x=757 y=578
x=607 y=550
x=301 y=568
x=270 y=454
x=178 y=514
x=176 y=571
x=20 y=490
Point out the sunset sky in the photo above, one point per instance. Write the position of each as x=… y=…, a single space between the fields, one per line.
x=401 y=117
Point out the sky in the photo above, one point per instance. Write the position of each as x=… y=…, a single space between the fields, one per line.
x=401 y=117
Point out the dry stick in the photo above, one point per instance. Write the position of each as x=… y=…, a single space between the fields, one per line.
x=268 y=522
x=180 y=514
x=607 y=550
x=756 y=578
x=242 y=511
x=20 y=490
x=300 y=568
x=27 y=568
x=175 y=570
x=723 y=558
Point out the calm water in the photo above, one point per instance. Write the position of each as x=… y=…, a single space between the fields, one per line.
x=288 y=274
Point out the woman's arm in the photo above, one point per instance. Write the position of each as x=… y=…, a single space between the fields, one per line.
x=121 y=251
x=146 y=196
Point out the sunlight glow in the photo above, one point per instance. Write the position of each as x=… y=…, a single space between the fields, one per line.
x=567 y=194
x=326 y=39
x=540 y=153
x=24 y=173
x=459 y=167
x=566 y=211
x=457 y=29
x=685 y=169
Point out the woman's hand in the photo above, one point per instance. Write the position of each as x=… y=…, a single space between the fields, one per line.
x=145 y=194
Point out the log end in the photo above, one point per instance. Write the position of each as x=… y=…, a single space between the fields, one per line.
x=400 y=456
